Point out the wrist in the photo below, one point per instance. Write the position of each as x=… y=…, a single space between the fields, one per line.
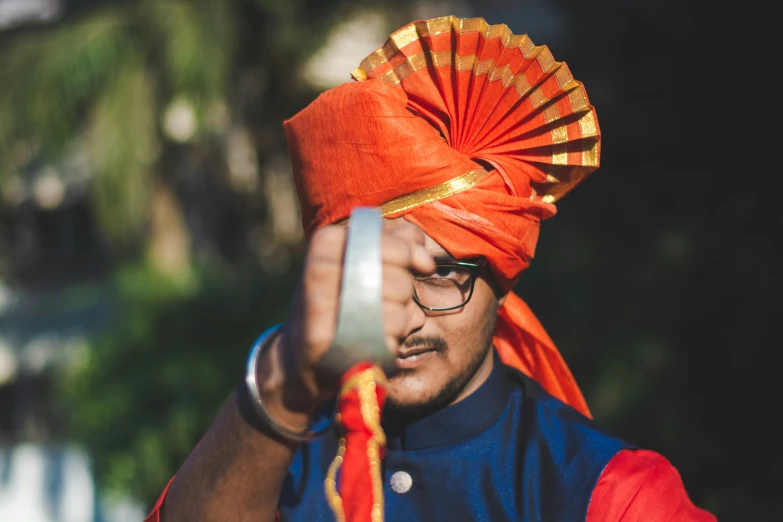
x=283 y=393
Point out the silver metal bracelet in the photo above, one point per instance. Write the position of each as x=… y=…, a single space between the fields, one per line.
x=251 y=381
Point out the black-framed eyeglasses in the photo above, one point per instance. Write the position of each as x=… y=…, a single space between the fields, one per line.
x=449 y=287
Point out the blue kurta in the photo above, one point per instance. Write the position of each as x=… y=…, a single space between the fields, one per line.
x=510 y=451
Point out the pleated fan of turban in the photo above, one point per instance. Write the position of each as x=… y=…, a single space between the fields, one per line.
x=468 y=131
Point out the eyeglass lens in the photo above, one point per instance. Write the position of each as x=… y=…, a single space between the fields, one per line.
x=449 y=287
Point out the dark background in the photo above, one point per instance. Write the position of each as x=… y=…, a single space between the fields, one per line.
x=658 y=279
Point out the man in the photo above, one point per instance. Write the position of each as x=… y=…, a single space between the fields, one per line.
x=463 y=135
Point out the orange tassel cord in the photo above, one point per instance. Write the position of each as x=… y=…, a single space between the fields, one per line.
x=356 y=495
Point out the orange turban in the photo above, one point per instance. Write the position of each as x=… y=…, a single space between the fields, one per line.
x=468 y=131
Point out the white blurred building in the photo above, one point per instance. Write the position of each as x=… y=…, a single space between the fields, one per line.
x=54 y=484
x=13 y=12
x=39 y=484
x=42 y=479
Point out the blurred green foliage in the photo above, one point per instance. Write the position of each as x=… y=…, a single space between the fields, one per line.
x=105 y=77
x=153 y=382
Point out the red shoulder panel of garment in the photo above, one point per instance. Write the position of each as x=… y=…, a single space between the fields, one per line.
x=642 y=486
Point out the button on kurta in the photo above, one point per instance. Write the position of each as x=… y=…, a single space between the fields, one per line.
x=401 y=482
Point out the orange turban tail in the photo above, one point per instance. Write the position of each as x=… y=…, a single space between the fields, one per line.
x=468 y=131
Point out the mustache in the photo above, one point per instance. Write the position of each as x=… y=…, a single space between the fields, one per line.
x=438 y=344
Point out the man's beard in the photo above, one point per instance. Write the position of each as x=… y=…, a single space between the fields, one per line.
x=451 y=390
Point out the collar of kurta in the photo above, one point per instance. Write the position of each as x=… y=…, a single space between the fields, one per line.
x=460 y=421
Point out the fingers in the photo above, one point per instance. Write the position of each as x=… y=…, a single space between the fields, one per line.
x=311 y=328
x=402 y=244
x=417 y=259
x=395 y=318
x=328 y=244
x=397 y=284
x=404 y=230
x=421 y=260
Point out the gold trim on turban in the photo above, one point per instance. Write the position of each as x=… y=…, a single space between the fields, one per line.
x=428 y=195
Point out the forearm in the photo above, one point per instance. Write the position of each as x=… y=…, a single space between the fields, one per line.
x=235 y=473
x=237 y=470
